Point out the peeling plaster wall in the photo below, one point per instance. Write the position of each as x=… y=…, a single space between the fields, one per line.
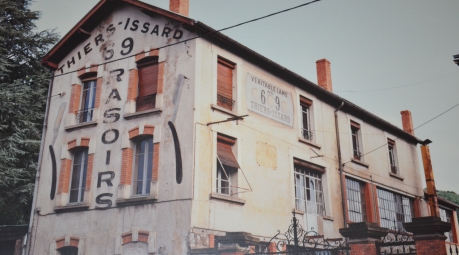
x=169 y=217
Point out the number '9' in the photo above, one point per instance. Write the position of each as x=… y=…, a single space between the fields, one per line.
x=128 y=44
x=277 y=103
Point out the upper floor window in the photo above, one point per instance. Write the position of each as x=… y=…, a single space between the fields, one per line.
x=68 y=250
x=308 y=190
x=306 y=118
x=356 y=200
x=392 y=156
x=79 y=170
x=446 y=216
x=227 y=166
x=356 y=140
x=394 y=209
x=148 y=83
x=225 y=70
x=88 y=99
x=143 y=165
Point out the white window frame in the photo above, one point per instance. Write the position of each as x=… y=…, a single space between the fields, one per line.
x=91 y=91
x=316 y=203
x=146 y=169
x=83 y=170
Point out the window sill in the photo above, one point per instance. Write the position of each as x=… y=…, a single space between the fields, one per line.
x=227 y=198
x=310 y=143
x=396 y=176
x=81 y=125
x=136 y=201
x=223 y=110
x=295 y=211
x=135 y=115
x=326 y=217
x=71 y=208
x=358 y=162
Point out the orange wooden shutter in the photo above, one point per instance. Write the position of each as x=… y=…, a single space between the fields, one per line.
x=224 y=82
x=148 y=85
x=225 y=152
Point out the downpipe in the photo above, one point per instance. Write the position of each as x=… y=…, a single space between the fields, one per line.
x=338 y=145
x=37 y=175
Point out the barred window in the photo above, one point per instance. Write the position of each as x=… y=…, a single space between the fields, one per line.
x=308 y=191
x=355 y=200
x=394 y=208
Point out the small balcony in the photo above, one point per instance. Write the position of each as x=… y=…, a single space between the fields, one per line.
x=84 y=115
x=145 y=102
x=308 y=135
x=225 y=102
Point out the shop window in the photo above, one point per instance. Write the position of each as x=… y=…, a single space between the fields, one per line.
x=225 y=70
x=356 y=141
x=306 y=107
x=68 y=250
x=88 y=100
x=392 y=156
x=78 y=177
x=394 y=209
x=356 y=207
x=227 y=166
x=148 y=70
x=446 y=216
x=143 y=165
x=308 y=189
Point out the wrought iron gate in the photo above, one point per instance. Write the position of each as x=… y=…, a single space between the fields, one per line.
x=397 y=241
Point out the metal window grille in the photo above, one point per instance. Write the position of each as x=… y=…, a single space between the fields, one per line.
x=78 y=182
x=143 y=166
x=394 y=207
x=307 y=133
x=445 y=216
x=308 y=191
x=355 y=200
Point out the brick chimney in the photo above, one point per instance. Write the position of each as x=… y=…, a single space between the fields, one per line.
x=324 y=74
x=179 y=6
x=407 y=122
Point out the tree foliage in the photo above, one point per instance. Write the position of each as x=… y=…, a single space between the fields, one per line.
x=23 y=91
x=450 y=196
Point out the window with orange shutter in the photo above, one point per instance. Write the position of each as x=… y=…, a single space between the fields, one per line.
x=148 y=85
x=227 y=166
x=225 y=71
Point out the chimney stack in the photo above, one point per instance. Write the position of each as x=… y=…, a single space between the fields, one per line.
x=324 y=74
x=179 y=6
x=407 y=122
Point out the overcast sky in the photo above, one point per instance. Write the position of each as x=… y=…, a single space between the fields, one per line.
x=373 y=46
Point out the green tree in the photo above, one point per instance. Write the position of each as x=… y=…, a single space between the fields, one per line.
x=23 y=92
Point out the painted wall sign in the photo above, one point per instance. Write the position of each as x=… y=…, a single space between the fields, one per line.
x=269 y=100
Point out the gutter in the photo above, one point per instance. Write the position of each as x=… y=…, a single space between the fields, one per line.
x=37 y=175
x=340 y=162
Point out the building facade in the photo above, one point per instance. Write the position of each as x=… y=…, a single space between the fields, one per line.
x=168 y=134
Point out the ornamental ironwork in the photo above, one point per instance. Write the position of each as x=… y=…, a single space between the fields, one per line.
x=84 y=115
x=397 y=241
x=149 y=100
x=225 y=101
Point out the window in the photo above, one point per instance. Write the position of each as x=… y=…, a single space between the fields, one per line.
x=148 y=83
x=225 y=71
x=394 y=209
x=306 y=117
x=143 y=165
x=392 y=156
x=446 y=216
x=227 y=166
x=308 y=189
x=88 y=100
x=356 y=200
x=356 y=137
x=78 y=182
x=68 y=250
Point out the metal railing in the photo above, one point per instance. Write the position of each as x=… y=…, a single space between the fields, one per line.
x=147 y=102
x=393 y=169
x=225 y=101
x=308 y=135
x=84 y=115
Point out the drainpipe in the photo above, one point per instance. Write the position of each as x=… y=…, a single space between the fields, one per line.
x=40 y=157
x=340 y=163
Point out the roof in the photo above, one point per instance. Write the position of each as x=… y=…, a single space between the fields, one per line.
x=12 y=232
x=81 y=31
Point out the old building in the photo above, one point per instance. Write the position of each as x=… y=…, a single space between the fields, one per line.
x=167 y=134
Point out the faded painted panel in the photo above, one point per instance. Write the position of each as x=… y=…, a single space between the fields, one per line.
x=266 y=155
